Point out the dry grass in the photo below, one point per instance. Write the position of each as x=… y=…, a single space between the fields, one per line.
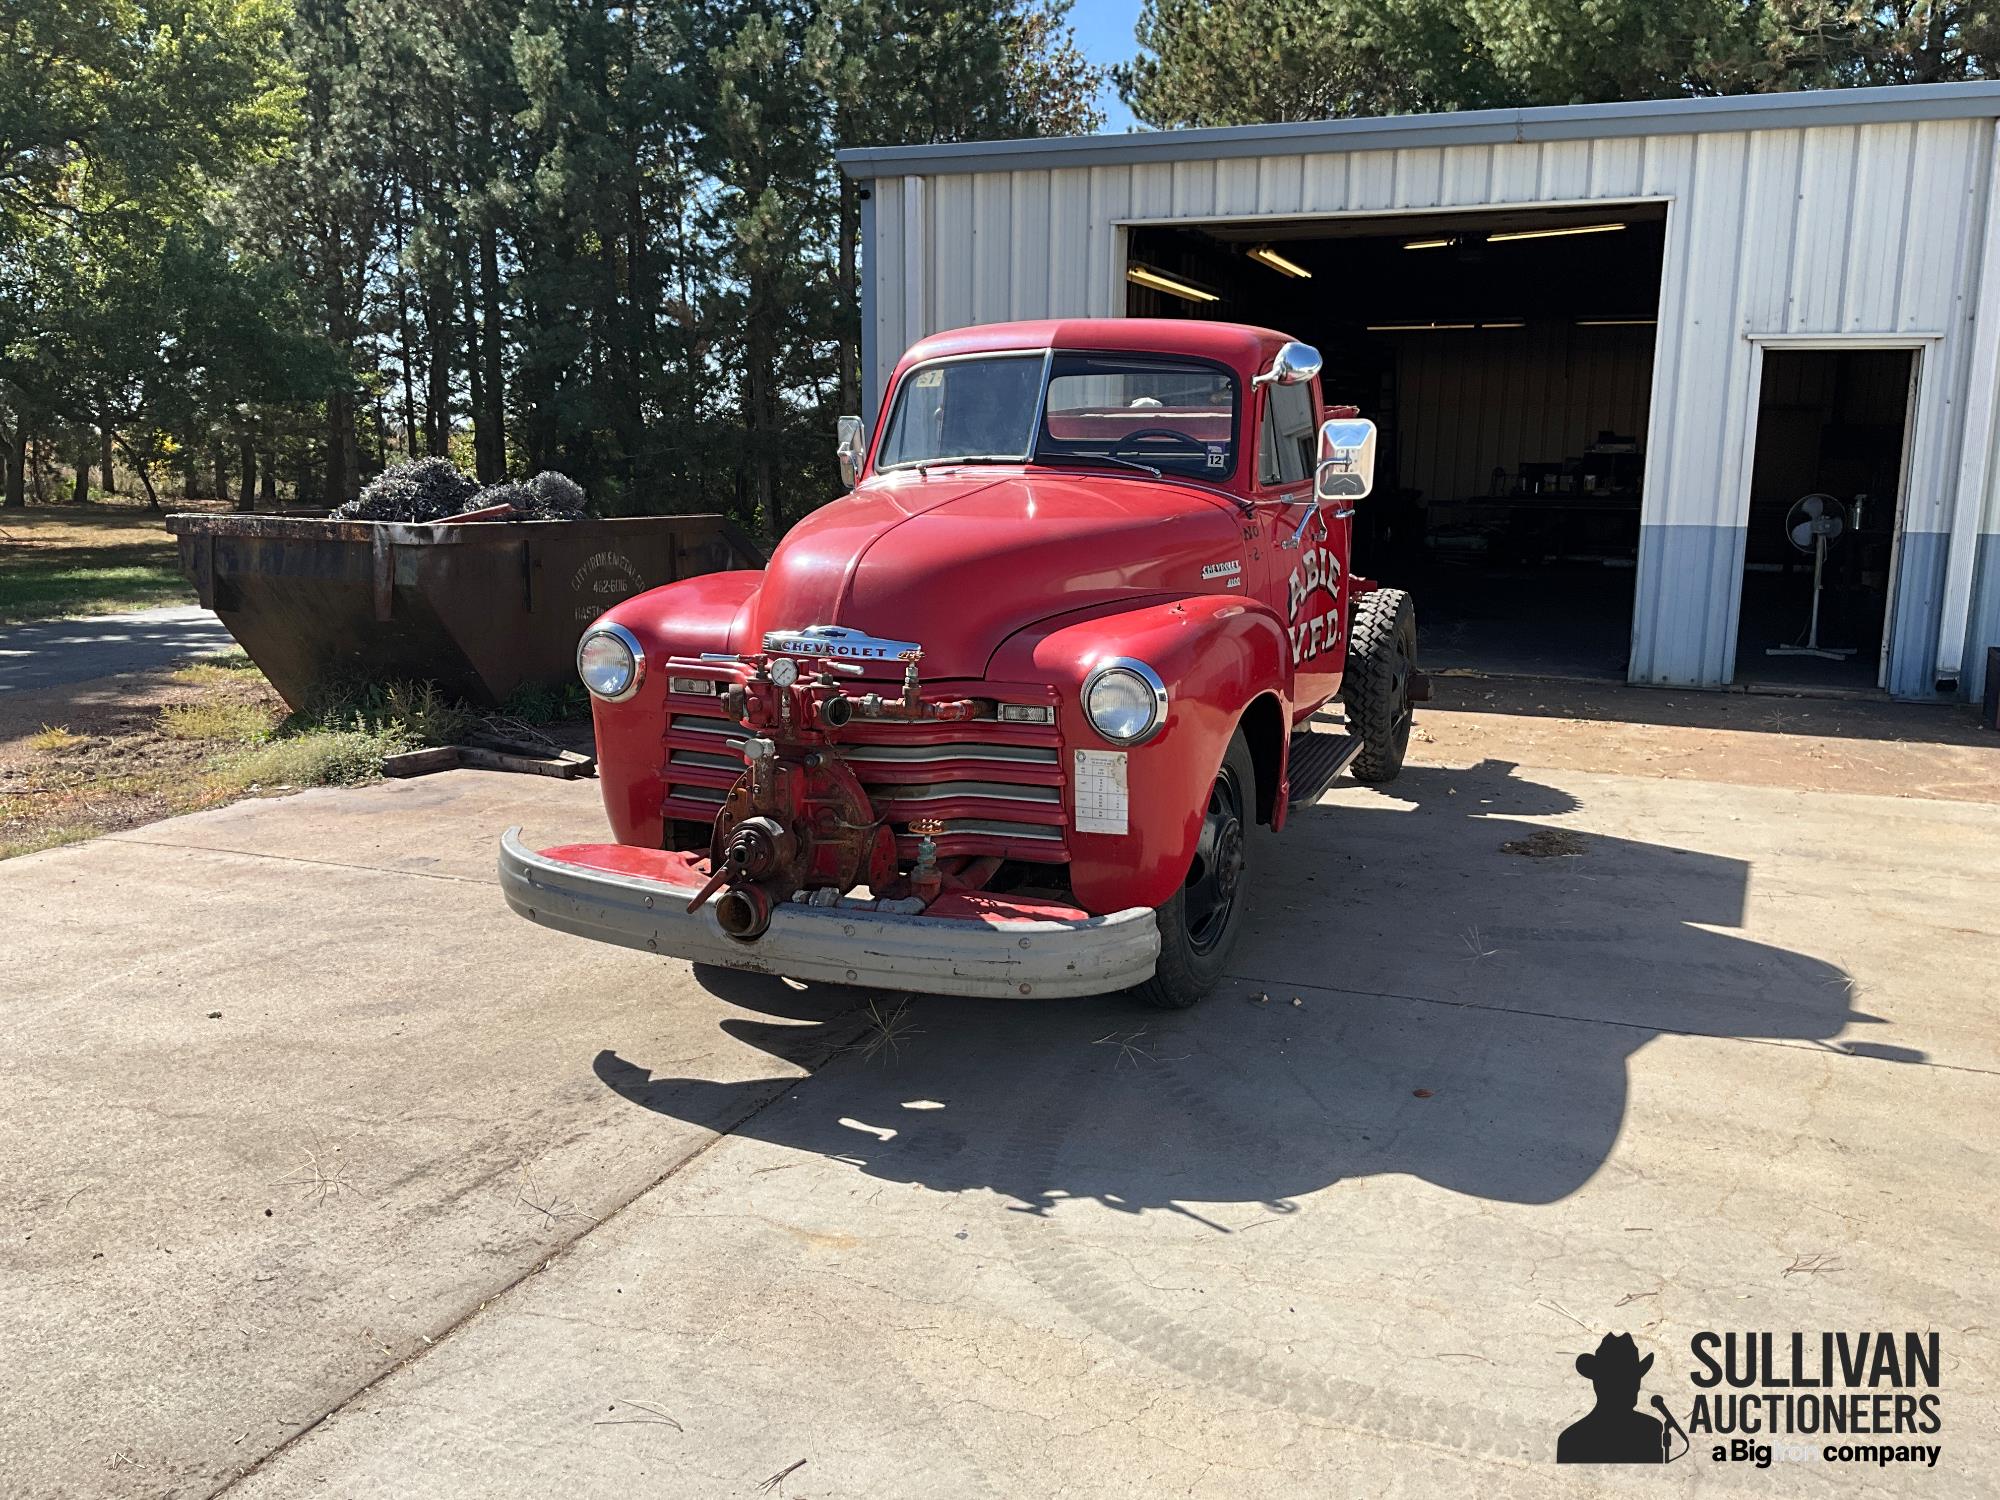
x=886 y=1031
x=151 y=745
x=51 y=738
x=218 y=720
x=213 y=671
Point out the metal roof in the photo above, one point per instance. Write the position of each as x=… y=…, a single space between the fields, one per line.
x=1476 y=127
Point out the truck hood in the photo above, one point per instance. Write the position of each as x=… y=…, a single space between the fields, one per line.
x=959 y=562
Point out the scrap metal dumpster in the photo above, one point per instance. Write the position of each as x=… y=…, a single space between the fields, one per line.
x=481 y=608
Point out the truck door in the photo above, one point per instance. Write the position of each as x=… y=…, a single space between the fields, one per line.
x=1305 y=551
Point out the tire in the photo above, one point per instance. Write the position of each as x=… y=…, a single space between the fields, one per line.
x=1381 y=656
x=1200 y=922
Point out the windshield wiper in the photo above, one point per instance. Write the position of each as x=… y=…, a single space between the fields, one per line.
x=1101 y=458
x=924 y=466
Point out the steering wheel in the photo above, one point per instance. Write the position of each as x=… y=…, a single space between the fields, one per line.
x=1160 y=432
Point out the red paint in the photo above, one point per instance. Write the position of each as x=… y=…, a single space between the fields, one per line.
x=684 y=871
x=1027 y=575
x=678 y=869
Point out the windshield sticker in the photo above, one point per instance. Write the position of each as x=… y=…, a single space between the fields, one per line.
x=1218 y=455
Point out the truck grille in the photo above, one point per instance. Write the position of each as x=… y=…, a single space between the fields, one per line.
x=986 y=787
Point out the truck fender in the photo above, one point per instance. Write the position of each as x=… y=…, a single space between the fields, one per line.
x=677 y=619
x=1224 y=660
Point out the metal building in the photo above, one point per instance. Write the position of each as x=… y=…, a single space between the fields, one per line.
x=1810 y=249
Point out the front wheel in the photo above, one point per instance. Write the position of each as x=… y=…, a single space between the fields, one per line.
x=1200 y=922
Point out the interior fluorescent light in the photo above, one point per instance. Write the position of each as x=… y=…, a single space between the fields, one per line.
x=1616 y=322
x=1267 y=256
x=1504 y=325
x=1549 y=234
x=1427 y=244
x=1159 y=281
x=1417 y=327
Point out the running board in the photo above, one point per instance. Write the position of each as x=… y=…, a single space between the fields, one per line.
x=1315 y=760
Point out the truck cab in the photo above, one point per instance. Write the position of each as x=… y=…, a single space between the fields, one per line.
x=1003 y=719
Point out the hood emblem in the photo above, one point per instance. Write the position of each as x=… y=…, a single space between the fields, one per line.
x=839 y=641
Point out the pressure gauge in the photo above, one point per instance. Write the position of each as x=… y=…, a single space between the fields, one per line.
x=784 y=671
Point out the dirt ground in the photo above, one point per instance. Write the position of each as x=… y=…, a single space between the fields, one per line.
x=119 y=752
x=1739 y=739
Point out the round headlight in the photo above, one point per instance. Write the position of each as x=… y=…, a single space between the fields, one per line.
x=609 y=661
x=1125 y=701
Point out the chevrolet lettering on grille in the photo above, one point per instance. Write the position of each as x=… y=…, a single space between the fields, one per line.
x=839 y=641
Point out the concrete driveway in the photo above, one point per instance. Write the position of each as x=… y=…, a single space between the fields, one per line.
x=443 y=1204
x=50 y=653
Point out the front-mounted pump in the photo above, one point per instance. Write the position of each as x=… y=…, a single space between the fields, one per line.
x=798 y=821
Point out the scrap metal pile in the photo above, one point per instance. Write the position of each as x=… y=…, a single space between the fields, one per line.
x=434 y=489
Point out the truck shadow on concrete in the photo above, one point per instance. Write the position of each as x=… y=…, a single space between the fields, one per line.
x=1431 y=985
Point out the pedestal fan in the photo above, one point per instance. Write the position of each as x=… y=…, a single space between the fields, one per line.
x=1813 y=524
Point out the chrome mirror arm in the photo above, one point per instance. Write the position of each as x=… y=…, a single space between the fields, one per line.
x=1312 y=511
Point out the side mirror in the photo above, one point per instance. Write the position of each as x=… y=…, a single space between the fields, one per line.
x=1346 y=459
x=1294 y=364
x=853 y=450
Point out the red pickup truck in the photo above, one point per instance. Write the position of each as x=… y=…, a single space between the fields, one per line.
x=1003 y=719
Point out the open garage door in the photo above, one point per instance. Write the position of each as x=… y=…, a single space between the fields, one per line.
x=1507 y=357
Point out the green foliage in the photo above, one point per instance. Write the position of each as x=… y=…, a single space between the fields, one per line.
x=525 y=235
x=326 y=757
x=1260 y=60
x=407 y=715
x=536 y=704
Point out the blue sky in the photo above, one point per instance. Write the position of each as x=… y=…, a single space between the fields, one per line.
x=1104 y=32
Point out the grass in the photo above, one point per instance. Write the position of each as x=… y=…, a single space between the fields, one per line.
x=203 y=734
x=52 y=738
x=67 y=560
x=217 y=671
x=222 y=722
x=52 y=837
x=414 y=713
x=536 y=705
x=886 y=1030
x=315 y=757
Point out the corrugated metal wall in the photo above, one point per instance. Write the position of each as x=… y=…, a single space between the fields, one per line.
x=1868 y=230
x=1495 y=398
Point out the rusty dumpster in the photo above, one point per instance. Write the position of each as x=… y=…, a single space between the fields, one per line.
x=481 y=608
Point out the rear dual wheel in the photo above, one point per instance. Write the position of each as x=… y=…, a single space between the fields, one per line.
x=1381 y=663
x=1200 y=922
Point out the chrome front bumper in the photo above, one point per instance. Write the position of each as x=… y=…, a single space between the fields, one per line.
x=840 y=945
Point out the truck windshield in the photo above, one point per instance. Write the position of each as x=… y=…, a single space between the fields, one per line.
x=1173 y=415
x=965 y=409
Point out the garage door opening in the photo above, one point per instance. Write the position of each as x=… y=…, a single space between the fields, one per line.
x=1507 y=357
x=1825 y=501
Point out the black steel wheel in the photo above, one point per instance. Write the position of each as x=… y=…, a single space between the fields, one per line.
x=1200 y=922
